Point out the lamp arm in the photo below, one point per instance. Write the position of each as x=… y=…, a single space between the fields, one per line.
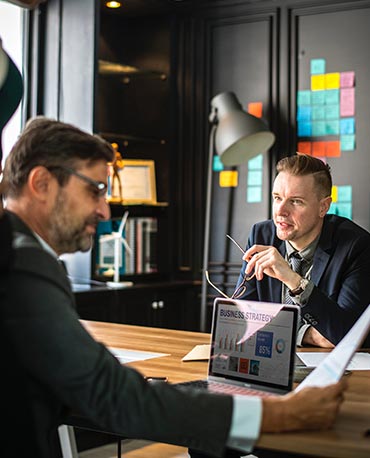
x=207 y=223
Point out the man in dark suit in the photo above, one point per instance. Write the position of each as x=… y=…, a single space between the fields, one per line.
x=332 y=287
x=56 y=177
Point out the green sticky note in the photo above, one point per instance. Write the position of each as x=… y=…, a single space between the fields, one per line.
x=345 y=210
x=255 y=178
x=331 y=111
x=332 y=127
x=318 y=112
x=318 y=97
x=333 y=209
x=303 y=98
x=318 y=129
x=344 y=193
x=332 y=97
x=254 y=194
x=317 y=66
x=347 y=142
x=256 y=163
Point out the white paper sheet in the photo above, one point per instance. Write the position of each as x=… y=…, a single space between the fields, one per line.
x=360 y=361
x=129 y=356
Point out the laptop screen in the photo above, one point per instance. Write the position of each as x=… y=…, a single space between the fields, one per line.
x=254 y=343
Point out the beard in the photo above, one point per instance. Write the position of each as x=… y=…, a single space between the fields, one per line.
x=68 y=234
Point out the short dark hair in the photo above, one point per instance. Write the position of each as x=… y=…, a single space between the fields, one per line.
x=51 y=143
x=303 y=164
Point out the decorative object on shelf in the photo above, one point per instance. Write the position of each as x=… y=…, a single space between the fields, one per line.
x=114 y=192
x=236 y=136
x=137 y=182
x=112 y=244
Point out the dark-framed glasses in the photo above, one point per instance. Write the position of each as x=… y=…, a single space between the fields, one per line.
x=99 y=187
x=242 y=287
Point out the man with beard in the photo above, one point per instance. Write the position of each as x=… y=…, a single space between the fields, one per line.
x=332 y=285
x=56 y=179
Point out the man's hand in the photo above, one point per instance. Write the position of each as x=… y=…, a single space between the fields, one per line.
x=310 y=408
x=267 y=260
x=313 y=337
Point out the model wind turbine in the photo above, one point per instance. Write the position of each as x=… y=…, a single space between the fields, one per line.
x=118 y=240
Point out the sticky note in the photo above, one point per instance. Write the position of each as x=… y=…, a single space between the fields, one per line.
x=344 y=210
x=256 y=163
x=318 y=149
x=347 y=126
x=304 y=113
x=347 y=102
x=347 y=142
x=318 y=98
x=334 y=193
x=347 y=79
x=332 y=97
x=331 y=111
x=254 y=177
x=304 y=147
x=217 y=164
x=333 y=209
x=255 y=109
x=318 y=82
x=332 y=149
x=254 y=194
x=304 y=129
x=318 y=112
x=332 y=127
x=229 y=179
x=317 y=66
x=332 y=80
x=318 y=128
x=344 y=193
x=303 y=98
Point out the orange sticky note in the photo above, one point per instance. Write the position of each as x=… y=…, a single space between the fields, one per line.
x=333 y=149
x=317 y=82
x=229 y=179
x=255 y=109
x=304 y=147
x=332 y=80
x=318 y=149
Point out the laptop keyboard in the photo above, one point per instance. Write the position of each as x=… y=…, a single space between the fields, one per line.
x=223 y=388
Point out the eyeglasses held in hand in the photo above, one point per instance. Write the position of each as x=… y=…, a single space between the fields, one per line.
x=242 y=287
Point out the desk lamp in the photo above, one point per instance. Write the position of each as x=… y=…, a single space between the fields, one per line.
x=236 y=136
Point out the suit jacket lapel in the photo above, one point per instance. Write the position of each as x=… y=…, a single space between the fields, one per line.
x=322 y=253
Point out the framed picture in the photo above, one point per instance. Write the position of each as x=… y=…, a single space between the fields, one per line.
x=133 y=182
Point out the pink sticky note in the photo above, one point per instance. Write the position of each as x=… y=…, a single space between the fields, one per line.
x=347 y=101
x=347 y=79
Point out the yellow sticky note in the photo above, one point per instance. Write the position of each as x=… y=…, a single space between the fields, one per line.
x=334 y=193
x=317 y=82
x=332 y=80
x=229 y=179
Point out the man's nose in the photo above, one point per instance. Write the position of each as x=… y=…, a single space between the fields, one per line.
x=283 y=208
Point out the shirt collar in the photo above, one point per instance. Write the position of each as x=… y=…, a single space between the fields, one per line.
x=307 y=253
x=45 y=245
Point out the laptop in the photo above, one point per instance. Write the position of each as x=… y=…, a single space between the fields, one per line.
x=252 y=348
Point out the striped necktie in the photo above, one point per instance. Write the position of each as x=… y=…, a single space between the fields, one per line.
x=296 y=263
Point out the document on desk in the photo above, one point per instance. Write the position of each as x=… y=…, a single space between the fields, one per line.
x=359 y=362
x=331 y=368
x=125 y=356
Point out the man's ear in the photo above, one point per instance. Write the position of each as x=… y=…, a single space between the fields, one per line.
x=40 y=182
x=324 y=206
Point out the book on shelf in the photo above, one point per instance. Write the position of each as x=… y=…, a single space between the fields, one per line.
x=140 y=234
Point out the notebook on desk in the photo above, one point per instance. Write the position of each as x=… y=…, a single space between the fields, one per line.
x=252 y=348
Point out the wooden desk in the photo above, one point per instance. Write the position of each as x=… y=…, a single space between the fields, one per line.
x=345 y=440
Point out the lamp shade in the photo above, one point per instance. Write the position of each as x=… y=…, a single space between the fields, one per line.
x=239 y=135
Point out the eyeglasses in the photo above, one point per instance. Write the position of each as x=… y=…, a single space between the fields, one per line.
x=99 y=187
x=242 y=287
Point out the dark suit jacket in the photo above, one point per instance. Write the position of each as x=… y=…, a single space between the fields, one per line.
x=341 y=274
x=64 y=369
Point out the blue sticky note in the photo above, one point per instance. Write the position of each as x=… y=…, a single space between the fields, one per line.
x=304 y=129
x=332 y=97
x=254 y=194
x=303 y=98
x=218 y=166
x=256 y=163
x=333 y=209
x=347 y=126
x=317 y=66
x=331 y=111
x=318 y=97
x=255 y=178
x=332 y=127
x=304 y=113
x=318 y=112
x=344 y=210
x=318 y=128
x=347 y=142
x=344 y=194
